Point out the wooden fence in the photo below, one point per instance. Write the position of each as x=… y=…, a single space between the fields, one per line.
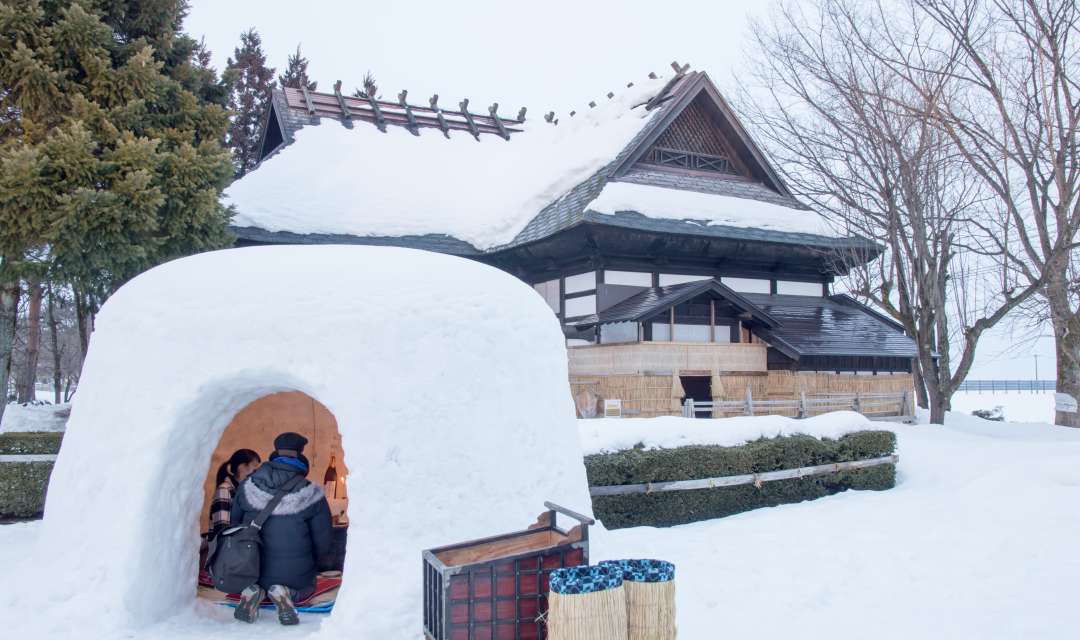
x=891 y=406
x=755 y=479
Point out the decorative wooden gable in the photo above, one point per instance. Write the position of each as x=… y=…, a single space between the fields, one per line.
x=693 y=141
x=700 y=133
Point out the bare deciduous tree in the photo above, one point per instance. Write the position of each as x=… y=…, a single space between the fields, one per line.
x=839 y=122
x=1013 y=112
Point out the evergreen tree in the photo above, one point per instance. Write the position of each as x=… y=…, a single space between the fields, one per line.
x=296 y=75
x=370 y=88
x=110 y=154
x=250 y=83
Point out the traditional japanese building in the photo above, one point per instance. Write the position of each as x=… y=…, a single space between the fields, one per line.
x=677 y=260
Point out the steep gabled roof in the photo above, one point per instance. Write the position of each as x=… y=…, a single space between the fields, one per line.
x=655 y=300
x=742 y=197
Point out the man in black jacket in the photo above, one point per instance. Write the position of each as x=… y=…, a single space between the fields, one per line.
x=296 y=536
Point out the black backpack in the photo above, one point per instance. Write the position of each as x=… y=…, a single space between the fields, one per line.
x=233 y=559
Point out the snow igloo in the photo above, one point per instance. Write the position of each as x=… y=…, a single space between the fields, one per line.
x=447 y=380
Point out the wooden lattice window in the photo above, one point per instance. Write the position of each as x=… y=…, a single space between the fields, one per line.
x=686 y=160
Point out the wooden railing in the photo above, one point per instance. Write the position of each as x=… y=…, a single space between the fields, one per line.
x=891 y=406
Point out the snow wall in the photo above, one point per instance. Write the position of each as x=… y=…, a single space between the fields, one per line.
x=448 y=380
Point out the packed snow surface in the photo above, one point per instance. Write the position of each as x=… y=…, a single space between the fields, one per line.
x=977 y=540
x=420 y=363
x=366 y=182
x=603 y=435
x=1017 y=406
x=708 y=209
x=35 y=417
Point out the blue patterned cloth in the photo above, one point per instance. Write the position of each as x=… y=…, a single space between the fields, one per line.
x=642 y=570
x=576 y=580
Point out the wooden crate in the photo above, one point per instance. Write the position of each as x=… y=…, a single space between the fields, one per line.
x=496 y=588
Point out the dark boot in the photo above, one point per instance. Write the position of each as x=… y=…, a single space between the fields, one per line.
x=250 y=599
x=286 y=610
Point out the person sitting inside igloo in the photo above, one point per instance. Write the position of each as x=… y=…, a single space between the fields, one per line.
x=295 y=536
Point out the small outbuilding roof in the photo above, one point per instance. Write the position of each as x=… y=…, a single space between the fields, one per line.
x=655 y=300
x=831 y=326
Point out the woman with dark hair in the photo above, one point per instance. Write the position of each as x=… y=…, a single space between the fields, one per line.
x=229 y=476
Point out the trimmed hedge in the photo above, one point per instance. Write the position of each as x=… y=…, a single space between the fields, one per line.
x=22 y=488
x=30 y=443
x=636 y=466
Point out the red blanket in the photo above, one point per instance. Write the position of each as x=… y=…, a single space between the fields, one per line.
x=322 y=585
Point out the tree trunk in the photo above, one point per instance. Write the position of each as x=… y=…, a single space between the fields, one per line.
x=1067 y=347
x=920 y=385
x=9 y=313
x=86 y=324
x=54 y=339
x=26 y=389
x=939 y=404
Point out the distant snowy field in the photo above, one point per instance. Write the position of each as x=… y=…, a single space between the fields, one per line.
x=1019 y=406
x=978 y=540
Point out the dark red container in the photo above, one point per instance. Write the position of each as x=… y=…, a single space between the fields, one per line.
x=496 y=588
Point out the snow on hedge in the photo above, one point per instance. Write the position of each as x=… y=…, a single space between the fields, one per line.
x=368 y=183
x=423 y=375
x=611 y=434
x=35 y=417
x=709 y=209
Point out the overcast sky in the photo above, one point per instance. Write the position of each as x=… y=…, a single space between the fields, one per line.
x=555 y=55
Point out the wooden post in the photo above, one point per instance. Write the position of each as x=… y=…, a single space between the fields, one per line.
x=802 y=404
x=671 y=326
x=904 y=400
x=749 y=401
x=688 y=408
x=712 y=320
x=856 y=405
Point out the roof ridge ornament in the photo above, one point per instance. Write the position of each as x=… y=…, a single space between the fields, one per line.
x=434 y=102
x=680 y=73
x=341 y=101
x=494 y=111
x=412 y=126
x=307 y=99
x=380 y=120
x=464 y=104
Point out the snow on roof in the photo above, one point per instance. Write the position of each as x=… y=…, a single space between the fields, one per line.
x=365 y=182
x=708 y=208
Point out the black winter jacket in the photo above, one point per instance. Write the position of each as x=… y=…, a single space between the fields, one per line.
x=296 y=536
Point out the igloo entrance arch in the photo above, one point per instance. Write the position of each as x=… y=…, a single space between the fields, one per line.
x=253 y=429
x=482 y=433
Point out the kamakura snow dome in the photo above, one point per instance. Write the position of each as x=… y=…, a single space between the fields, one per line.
x=448 y=380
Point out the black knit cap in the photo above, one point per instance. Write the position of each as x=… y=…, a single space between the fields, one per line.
x=290 y=444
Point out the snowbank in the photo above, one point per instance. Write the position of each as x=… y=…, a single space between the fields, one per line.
x=419 y=356
x=710 y=209
x=978 y=540
x=601 y=435
x=35 y=417
x=365 y=182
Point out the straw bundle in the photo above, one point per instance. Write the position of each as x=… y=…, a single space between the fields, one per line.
x=649 y=586
x=650 y=610
x=587 y=616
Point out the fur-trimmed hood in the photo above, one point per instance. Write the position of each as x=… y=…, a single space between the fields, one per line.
x=293 y=502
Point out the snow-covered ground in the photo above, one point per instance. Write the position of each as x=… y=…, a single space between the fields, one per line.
x=35 y=417
x=978 y=539
x=1019 y=406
